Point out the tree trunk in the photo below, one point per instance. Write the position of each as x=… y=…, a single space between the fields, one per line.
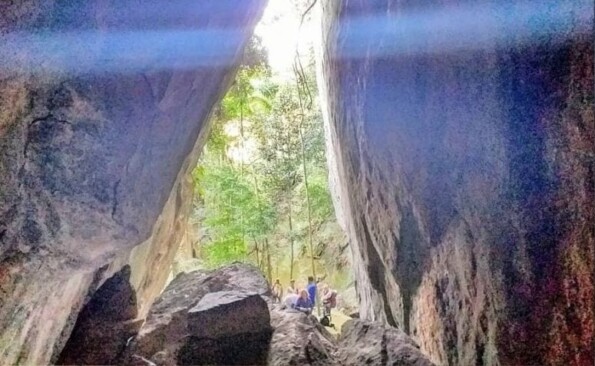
x=257 y=254
x=243 y=95
x=307 y=202
x=303 y=85
x=291 y=242
x=269 y=268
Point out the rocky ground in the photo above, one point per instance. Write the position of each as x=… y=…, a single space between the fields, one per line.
x=226 y=317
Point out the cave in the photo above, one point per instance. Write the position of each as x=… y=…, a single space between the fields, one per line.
x=459 y=139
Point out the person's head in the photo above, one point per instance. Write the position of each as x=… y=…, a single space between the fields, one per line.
x=304 y=294
x=310 y=279
x=277 y=281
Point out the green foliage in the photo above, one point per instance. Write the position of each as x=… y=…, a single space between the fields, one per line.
x=245 y=204
x=321 y=203
x=234 y=211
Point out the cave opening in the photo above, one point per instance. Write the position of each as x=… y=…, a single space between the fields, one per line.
x=261 y=186
x=161 y=168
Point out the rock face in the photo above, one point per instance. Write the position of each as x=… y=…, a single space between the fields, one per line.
x=226 y=327
x=104 y=325
x=463 y=138
x=103 y=111
x=214 y=317
x=299 y=340
x=364 y=343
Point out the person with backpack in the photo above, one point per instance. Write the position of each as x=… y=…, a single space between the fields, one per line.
x=329 y=301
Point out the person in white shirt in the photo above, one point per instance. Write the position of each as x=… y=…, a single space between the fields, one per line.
x=292 y=289
x=289 y=300
x=277 y=291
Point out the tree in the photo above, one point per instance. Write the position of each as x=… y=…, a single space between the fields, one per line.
x=268 y=204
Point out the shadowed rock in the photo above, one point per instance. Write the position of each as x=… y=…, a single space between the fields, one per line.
x=365 y=343
x=104 y=108
x=299 y=340
x=217 y=317
x=104 y=325
x=228 y=312
x=461 y=136
x=227 y=328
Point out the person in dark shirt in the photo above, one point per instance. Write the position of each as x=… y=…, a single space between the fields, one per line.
x=303 y=303
x=312 y=290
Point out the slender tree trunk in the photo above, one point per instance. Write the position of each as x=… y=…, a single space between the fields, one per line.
x=303 y=85
x=308 y=202
x=257 y=254
x=291 y=241
x=299 y=77
x=269 y=268
x=243 y=95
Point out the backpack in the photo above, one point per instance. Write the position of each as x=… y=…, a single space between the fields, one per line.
x=325 y=321
x=333 y=299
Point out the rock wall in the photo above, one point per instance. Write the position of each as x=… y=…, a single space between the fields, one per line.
x=103 y=110
x=463 y=137
x=104 y=325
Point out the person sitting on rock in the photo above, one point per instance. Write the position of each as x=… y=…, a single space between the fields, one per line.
x=303 y=303
x=289 y=301
x=277 y=291
x=292 y=289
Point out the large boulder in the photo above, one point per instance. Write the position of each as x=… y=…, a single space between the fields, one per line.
x=374 y=343
x=462 y=139
x=218 y=317
x=227 y=328
x=228 y=312
x=299 y=340
x=104 y=107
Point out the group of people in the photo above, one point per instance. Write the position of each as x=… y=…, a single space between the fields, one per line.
x=304 y=299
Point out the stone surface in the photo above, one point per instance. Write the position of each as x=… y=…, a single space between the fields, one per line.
x=104 y=325
x=228 y=312
x=365 y=343
x=201 y=315
x=227 y=328
x=104 y=108
x=299 y=339
x=463 y=150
